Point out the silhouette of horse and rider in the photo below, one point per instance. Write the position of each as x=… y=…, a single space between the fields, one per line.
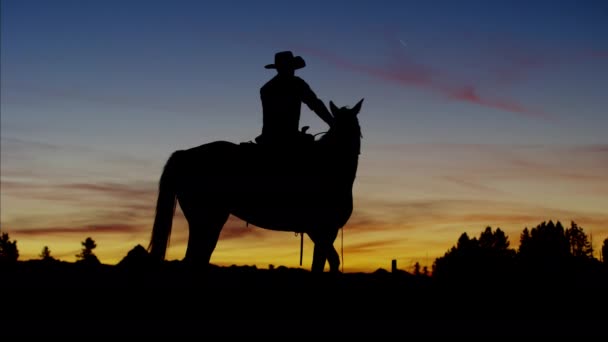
x=292 y=181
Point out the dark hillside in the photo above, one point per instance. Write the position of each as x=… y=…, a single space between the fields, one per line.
x=65 y=299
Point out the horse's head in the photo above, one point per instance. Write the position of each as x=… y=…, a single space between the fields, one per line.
x=345 y=133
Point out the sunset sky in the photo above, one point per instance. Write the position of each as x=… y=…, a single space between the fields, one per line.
x=476 y=113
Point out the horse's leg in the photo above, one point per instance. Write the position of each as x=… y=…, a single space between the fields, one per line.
x=333 y=259
x=318 y=258
x=204 y=233
x=324 y=250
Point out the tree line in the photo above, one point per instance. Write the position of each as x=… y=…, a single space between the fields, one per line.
x=9 y=253
x=545 y=247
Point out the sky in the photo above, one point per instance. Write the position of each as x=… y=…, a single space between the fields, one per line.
x=476 y=114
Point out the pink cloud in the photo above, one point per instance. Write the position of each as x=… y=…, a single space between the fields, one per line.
x=405 y=72
x=470 y=94
x=514 y=61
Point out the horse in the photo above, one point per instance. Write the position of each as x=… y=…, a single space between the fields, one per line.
x=306 y=189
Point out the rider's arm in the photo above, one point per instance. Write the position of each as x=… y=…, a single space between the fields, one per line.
x=315 y=104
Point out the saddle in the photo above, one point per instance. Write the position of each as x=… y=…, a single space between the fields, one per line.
x=292 y=142
x=296 y=151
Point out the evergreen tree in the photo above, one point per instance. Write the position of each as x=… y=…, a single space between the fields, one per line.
x=525 y=242
x=8 y=249
x=488 y=257
x=46 y=254
x=578 y=241
x=545 y=241
x=86 y=255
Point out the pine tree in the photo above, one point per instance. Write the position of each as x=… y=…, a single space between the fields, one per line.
x=86 y=255
x=46 y=254
x=9 y=252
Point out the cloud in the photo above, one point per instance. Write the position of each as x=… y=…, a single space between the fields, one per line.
x=18 y=144
x=501 y=61
x=409 y=215
x=15 y=148
x=370 y=246
x=107 y=228
x=130 y=198
x=471 y=185
x=601 y=149
x=406 y=72
x=24 y=92
x=599 y=54
x=470 y=94
x=48 y=163
x=125 y=191
x=474 y=163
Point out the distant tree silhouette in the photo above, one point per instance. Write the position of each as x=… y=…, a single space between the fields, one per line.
x=550 y=252
x=486 y=257
x=417 y=268
x=9 y=253
x=495 y=241
x=547 y=241
x=46 y=254
x=525 y=243
x=580 y=246
x=604 y=255
x=86 y=255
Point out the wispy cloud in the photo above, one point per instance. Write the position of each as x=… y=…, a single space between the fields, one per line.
x=106 y=228
x=501 y=61
x=100 y=195
x=471 y=185
x=23 y=92
x=18 y=144
x=405 y=72
x=370 y=246
x=130 y=191
x=463 y=162
x=601 y=149
x=15 y=148
x=409 y=215
x=48 y=164
x=599 y=54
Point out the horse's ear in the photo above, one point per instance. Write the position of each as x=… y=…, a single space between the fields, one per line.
x=333 y=108
x=357 y=107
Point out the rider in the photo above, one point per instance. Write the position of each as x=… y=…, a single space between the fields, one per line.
x=282 y=97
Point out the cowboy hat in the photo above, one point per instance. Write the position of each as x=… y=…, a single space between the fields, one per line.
x=286 y=60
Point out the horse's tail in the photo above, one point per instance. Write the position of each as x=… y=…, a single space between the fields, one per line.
x=165 y=209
